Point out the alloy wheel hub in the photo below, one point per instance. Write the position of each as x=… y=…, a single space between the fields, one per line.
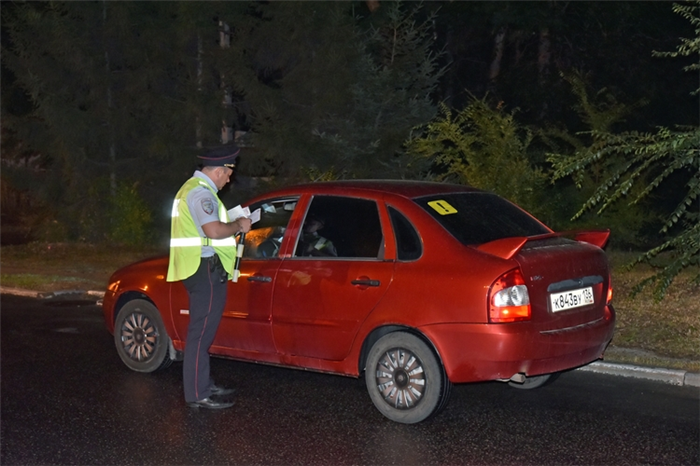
x=139 y=337
x=401 y=378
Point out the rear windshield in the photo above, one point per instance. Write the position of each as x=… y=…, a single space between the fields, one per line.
x=477 y=218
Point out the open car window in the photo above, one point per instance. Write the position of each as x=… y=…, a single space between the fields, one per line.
x=340 y=227
x=265 y=237
x=476 y=218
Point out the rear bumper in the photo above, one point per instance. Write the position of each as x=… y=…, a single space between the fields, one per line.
x=479 y=352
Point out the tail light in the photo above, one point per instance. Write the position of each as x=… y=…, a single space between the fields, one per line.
x=609 y=313
x=509 y=300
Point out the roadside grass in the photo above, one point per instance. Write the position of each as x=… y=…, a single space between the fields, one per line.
x=665 y=334
x=49 y=267
x=33 y=281
x=648 y=330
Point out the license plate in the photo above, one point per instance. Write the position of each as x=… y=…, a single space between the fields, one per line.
x=571 y=299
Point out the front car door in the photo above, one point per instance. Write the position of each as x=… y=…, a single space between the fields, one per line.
x=245 y=330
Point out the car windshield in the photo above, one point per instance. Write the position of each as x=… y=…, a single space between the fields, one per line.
x=477 y=217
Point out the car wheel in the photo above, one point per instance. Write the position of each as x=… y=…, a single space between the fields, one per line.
x=140 y=337
x=404 y=378
x=534 y=382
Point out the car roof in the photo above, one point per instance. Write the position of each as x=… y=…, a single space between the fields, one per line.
x=405 y=188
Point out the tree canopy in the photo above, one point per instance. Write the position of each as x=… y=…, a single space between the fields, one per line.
x=124 y=94
x=105 y=105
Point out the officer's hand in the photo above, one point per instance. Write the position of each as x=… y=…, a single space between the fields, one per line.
x=244 y=223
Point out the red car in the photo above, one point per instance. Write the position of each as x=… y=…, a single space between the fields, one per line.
x=416 y=285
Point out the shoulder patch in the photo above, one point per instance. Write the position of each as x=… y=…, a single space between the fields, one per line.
x=207 y=206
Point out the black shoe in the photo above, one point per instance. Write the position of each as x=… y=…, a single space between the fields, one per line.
x=220 y=391
x=209 y=404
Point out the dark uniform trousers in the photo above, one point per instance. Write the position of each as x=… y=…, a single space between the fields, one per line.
x=207 y=291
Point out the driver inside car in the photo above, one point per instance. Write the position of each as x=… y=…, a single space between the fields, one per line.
x=313 y=244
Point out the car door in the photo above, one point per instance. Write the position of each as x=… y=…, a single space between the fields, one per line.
x=323 y=294
x=246 y=323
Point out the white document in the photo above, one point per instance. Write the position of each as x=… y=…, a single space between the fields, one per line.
x=238 y=212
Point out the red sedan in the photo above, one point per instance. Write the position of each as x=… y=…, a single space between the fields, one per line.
x=414 y=285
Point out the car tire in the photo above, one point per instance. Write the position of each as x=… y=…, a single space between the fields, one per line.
x=140 y=337
x=405 y=379
x=533 y=382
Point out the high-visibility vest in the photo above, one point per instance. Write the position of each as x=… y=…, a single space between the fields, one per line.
x=186 y=242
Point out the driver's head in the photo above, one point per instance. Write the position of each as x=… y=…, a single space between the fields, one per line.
x=313 y=224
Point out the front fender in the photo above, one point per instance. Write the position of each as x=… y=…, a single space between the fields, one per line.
x=142 y=280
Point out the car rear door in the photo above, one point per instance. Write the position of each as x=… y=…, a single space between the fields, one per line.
x=321 y=300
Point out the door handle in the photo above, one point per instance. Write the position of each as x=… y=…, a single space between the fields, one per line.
x=366 y=282
x=259 y=278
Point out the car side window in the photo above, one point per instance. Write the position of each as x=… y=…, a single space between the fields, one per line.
x=340 y=227
x=408 y=243
x=265 y=236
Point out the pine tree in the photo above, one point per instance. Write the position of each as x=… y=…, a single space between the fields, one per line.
x=117 y=101
x=67 y=81
x=324 y=91
x=125 y=93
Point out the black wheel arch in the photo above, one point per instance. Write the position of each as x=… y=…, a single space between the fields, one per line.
x=125 y=298
x=379 y=332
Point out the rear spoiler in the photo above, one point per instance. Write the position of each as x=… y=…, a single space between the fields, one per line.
x=595 y=237
x=506 y=248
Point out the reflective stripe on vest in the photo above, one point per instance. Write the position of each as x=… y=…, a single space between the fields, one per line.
x=199 y=241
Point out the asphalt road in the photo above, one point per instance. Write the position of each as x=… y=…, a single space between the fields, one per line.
x=67 y=399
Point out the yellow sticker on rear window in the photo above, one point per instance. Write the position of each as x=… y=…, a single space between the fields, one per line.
x=442 y=207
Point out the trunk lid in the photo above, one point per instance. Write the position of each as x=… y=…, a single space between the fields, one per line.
x=570 y=270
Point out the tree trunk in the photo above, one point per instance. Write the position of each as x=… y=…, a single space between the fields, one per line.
x=200 y=68
x=544 y=55
x=519 y=37
x=227 y=101
x=498 y=46
x=110 y=130
x=543 y=59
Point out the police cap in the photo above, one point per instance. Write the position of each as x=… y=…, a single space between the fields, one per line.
x=225 y=156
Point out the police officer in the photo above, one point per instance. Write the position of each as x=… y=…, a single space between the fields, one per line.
x=202 y=251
